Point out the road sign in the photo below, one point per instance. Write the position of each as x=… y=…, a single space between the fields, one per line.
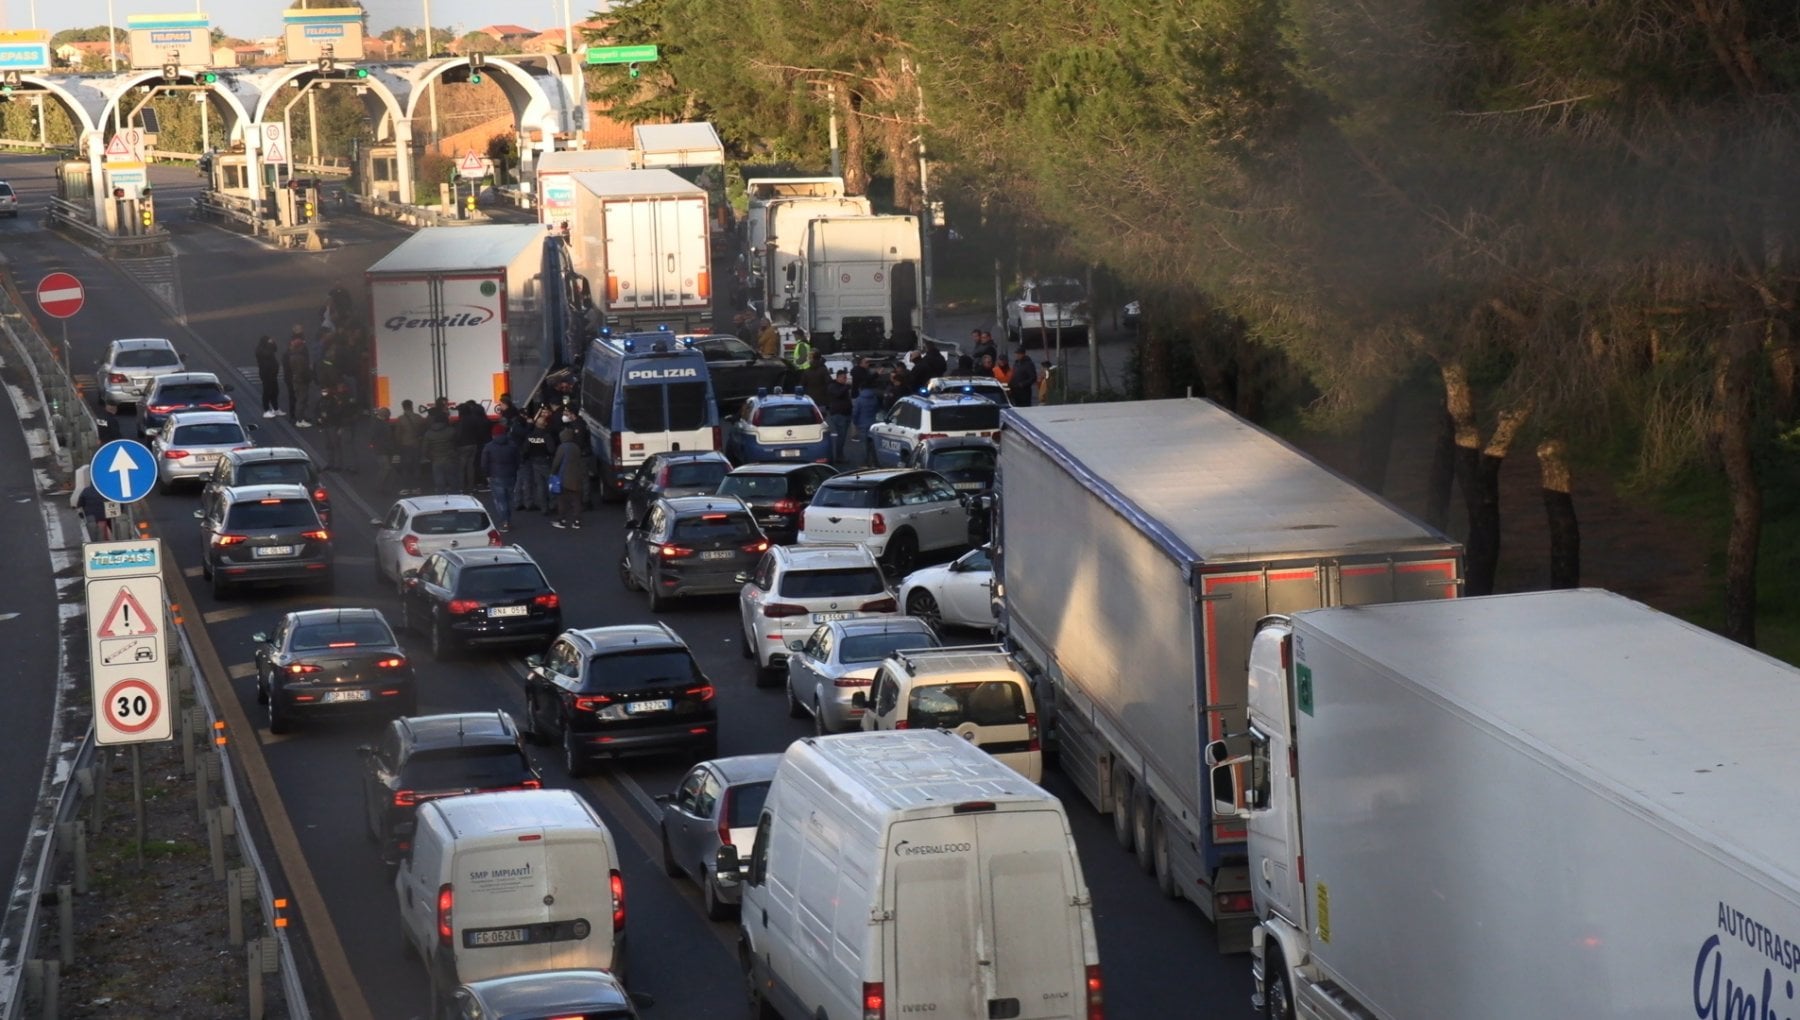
x=117 y=149
x=123 y=471
x=621 y=54
x=274 y=139
x=60 y=295
x=127 y=659
x=472 y=166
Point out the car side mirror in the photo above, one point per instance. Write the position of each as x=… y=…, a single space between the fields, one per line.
x=859 y=700
x=534 y=660
x=260 y=637
x=727 y=867
x=743 y=577
x=199 y=515
x=798 y=646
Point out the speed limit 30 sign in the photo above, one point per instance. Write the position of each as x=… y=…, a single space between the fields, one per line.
x=127 y=654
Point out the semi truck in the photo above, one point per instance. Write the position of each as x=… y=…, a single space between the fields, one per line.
x=455 y=312
x=857 y=285
x=642 y=240
x=781 y=223
x=1550 y=804
x=554 y=179
x=1138 y=544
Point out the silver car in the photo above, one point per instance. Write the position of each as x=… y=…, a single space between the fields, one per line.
x=839 y=659
x=189 y=444
x=131 y=366
x=717 y=800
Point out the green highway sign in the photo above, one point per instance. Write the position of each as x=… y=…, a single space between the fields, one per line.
x=620 y=54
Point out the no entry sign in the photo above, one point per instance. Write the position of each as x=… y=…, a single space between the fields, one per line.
x=60 y=295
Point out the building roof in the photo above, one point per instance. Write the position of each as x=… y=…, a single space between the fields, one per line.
x=506 y=31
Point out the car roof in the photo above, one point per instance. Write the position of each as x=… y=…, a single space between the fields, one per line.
x=946 y=399
x=767 y=468
x=202 y=417
x=882 y=625
x=669 y=455
x=817 y=557
x=267 y=453
x=345 y=613
x=628 y=636
x=250 y=493
x=488 y=556
x=177 y=378
x=141 y=343
x=747 y=768
x=429 y=504
x=685 y=505
x=953 y=442
x=762 y=399
x=869 y=476
x=551 y=992
x=459 y=729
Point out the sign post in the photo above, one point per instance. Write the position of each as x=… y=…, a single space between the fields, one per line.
x=128 y=665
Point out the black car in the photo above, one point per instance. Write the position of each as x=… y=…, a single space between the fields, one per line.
x=737 y=370
x=181 y=391
x=676 y=473
x=610 y=691
x=263 y=534
x=548 y=995
x=481 y=596
x=424 y=757
x=777 y=494
x=967 y=462
x=690 y=545
x=271 y=465
x=326 y=660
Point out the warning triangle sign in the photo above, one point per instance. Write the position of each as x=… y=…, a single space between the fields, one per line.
x=472 y=161
x=275 y=153
x=126 y=618
x=117 y=146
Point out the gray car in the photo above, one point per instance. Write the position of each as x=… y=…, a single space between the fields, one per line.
x=263 y=534
x=548 y=995
x=189 y=444
x=717 y=799
x=131 y=366
x=690 y=545
x=839 y=659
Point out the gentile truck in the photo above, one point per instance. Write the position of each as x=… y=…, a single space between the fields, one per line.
x=1554 y=804
x=1138 y=545
x=642 y=240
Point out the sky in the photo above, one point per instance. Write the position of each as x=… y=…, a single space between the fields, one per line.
x=251 y=19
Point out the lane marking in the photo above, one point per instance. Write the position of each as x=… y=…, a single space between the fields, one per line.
x=192 y=571
x=241 y=670
x=222 y=615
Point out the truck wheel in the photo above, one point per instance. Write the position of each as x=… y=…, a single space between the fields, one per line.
x=1121 y=807
x=1165 y=868
x=1278 y=998
x=1143 y=819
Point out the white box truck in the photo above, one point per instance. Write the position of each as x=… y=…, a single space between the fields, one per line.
x=642 y=240
x=556 y=189
x=758 y=193
x=1138 y=544
x=858 y=285
x=907 y=873
x=781 y=224
x=454 y=312
x=1554 y=804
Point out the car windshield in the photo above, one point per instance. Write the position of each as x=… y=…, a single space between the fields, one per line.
x=275 y=472
x=190 y=393
x=745 y=804
x=6 y=189
x=823 y=584
x=145 y=357
x=970 y=417
x=788 y=415
x=712 y=527
x=853 y=496
x=754 y=486
x=626 y=671
x=1058 y=293
x=361 y=633
x=500 y=579
x=701 y=474
x=461 y=768
x=983 y=703
x=971 y=458
x=450 y=522
x=221 y=433
x=272 y=515
x=876 y=647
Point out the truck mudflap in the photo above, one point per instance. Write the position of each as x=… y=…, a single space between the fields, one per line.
x=1231 y=909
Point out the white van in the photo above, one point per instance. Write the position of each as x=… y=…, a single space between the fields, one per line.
x=907 y=873
x=977 y=692
x=510 y=882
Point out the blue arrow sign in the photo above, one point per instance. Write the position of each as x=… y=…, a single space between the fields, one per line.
x=123 y=471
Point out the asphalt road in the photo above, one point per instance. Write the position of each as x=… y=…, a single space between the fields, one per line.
x=1158 y=956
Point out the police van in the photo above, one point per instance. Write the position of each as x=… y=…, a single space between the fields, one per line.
x=644 y=393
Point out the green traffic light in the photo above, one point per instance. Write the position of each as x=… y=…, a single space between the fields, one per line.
x=362 y=72
x=474 y=79
x=208 y=78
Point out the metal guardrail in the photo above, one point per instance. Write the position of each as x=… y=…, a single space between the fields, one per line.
x=79 y=218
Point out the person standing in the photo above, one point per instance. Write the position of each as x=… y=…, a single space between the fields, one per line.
x=106 y=423
x=838 y=409
x=408 y=429
x=1022 y=381
x=268 y=372
x=438 y=448
x=500 y=460
x=472 y=430
x=335 y=418
x=803 y=351
x=864 y=409
x=534 y=470
x=768 y=341
x=299 y=377
x=569 y=476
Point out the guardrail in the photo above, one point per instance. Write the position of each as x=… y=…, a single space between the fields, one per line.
x=79 y=218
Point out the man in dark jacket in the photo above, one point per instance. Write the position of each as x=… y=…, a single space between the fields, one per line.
x=337 y=418
x=570 y=471
x=472 y=429
x=268 y=371
x=438 y=448
x=534 y=470
x=837 y=412
x=106 y=423
x=500 y=461
x=299 y=377
x=1023 y=383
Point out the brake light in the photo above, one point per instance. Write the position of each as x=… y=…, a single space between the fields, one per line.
x=725 y=819
x=874 y=1001
x=704 y=692
x=618 y=894
x=230 y=539
x=933 y=435
x=405 y=798
x=411 y=544
x=227 y=405
x=297 y=668
x=320 y=495
x=887 y=605
x=878 y=525
x=787 y=506
x=760 y=545
x=550 y=601
x=461 y=606
x=1031 y=308
x=662 y=477
x=161 y=408
x=782 y=610
x=1031 y=732
x=114 y=377
x=494 y=537
x=673 y=552
x=1096 y=1001
x=852 y=681
x=590 y=702
x=532 y=784
x=391 y=662
x=320 y=535
x=705 y=285
x=618 y=454
x=446 y=903
x=902 y=725
x=174 y=454
x=341 y=644
x=1234 y=903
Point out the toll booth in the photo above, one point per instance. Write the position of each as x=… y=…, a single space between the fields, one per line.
x=289 y=210
x=378 y=173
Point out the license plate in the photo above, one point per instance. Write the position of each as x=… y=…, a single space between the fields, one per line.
x=205 y=458
x=497 y=937
x=274 y=550
x=790 y=453
x=510 y=611
x=828 y=617
x=650 y=705
x=968 y=486
x=335 y=697
x=717 y=554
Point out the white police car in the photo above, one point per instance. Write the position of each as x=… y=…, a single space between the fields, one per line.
x=779 y=427
x=894 y=438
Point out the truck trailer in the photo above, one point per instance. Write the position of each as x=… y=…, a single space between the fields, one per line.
x=781 y=223
x=454 y=312
x=857 y=284
x=554 y=172
x=1138 y=545
x=643 y=241
x=1552 y=804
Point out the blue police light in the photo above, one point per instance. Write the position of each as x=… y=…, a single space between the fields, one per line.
x=688 y=342
x=799 y=391
x=606 y=331
x=630 y=345
x=968 y=389
x=662 y=327
x=763 y=391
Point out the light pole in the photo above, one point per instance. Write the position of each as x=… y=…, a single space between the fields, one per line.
x=112 y=39
x=577 y=80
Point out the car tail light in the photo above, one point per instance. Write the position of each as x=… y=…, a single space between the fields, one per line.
x=725 y=819
x=1031 y=308
x=933 y=435
x=878 y=525
x=718 y=434
x=671 y=551
x=114 y=377
x=787 y=506
x=531 y=784
x=1096 y=1000
x=161 y=408
x=758 y=546
x=391 y=662
x=852 y=681
x=411 y=544
x=494 y=537
x=618 y=454
x=225 y=405
x=874 y=1001
x=618 y=894
x=463 y=606
x=782 y=610
x=1234 y=903
x=174 y=454
x=320 y=535
x=1031 y=732
x=550 y=601
x=446 y=903
x=887 y=605
x=662 y=477
x=405 y=798
x=320 y=495
x=704 y=692
x=230 y=539
x=704 y=285
x=297 y=668
x=591 y=702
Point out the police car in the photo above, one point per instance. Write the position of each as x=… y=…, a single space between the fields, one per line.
x=894 y=438
x=980 y=385
x=776 y=427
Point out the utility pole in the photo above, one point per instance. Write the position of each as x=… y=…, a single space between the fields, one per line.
x=837 y=157
x=925 y=218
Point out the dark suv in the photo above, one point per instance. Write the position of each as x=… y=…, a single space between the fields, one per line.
x=424 y=757
x=690 y=545
x=271 y=465
x=609 y=691
x=776 y=494
x=482 y=596
x=181 y=391
x=263 y=533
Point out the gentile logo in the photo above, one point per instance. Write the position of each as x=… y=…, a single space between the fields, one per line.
x=453 y=317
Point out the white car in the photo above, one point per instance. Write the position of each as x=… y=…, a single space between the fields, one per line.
x=796 y=588
x=971 y=385
x=417 y=526
x=895 y=513
x=838 y=661
x=1044 y=307
x=9 y=201
x=131 y=366
x=955 y=594
x=188 y=444
x=894 y=438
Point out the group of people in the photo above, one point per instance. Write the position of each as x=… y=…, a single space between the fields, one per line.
x=326 y=376
x=525 y=459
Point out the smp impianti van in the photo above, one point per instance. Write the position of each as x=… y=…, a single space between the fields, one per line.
x=908 y=873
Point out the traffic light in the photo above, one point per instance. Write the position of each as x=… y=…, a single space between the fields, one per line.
x=148 y=213
x=633 y=69
x=8 y=81
x=207 y=78
x=359 y=73
x=476 y=62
